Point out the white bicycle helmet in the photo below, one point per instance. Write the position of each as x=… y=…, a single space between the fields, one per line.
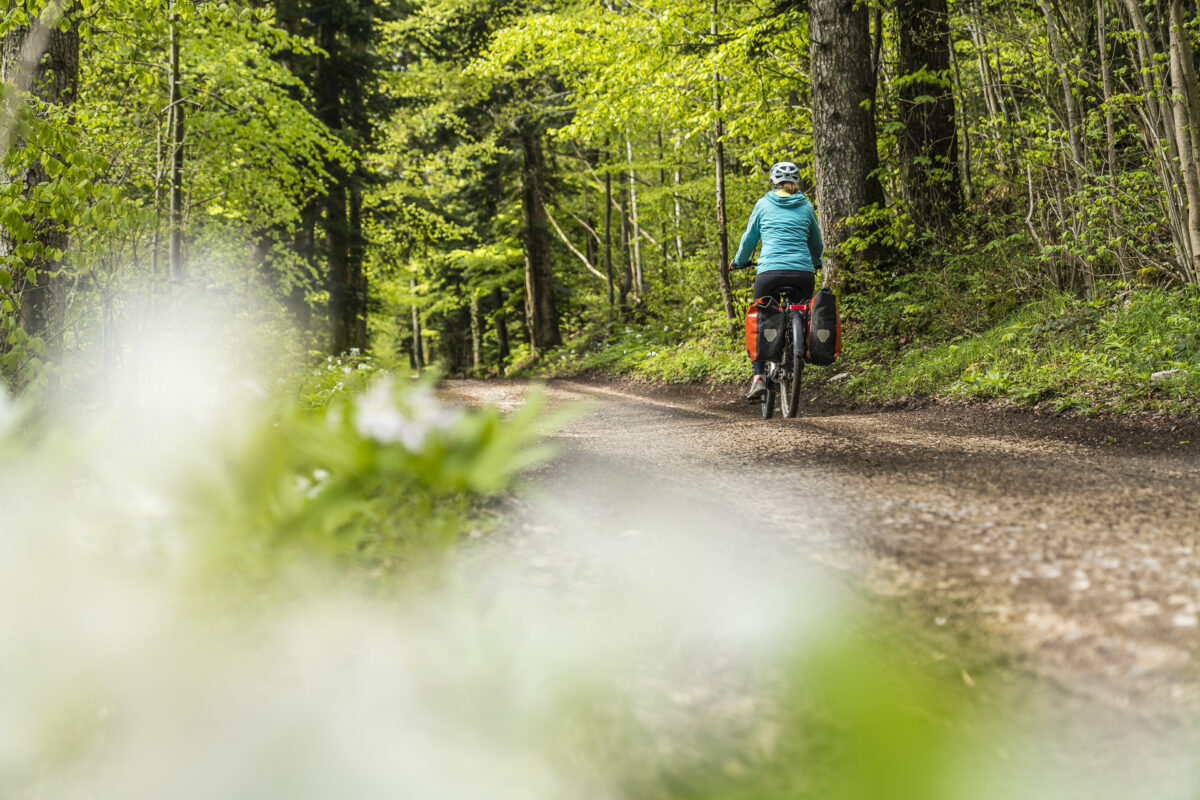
x=785 y=172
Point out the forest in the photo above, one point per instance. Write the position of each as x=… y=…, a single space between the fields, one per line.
x=369 y=428
x=501 y=187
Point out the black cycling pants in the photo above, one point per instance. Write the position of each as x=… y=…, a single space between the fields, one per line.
x=800 y=284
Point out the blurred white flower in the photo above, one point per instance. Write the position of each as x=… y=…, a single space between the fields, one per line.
x=364 y=366
x=346 y=370
x=354 y=351
x=378 y=416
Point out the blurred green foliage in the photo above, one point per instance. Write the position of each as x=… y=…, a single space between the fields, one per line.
x=375 y=480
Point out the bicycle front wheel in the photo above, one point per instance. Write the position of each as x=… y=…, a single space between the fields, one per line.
x=768 y=400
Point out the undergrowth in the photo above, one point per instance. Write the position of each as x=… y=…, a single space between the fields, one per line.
x=960 y=330
x=1135 y=349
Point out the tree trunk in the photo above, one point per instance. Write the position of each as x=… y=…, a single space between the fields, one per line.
x=719 y=159
x=678 y=217
x=1064 y=79
x=501 y=325
x=844 y=148
x=962 y=115
x=663 y=231
x=992 y=98
x=339 y=283
x=1185 y=105
x=476 y=332
x=1106 y=84
x=929 y=145
x=540 y=307
x=305 y=243
x=590 y=244
x=1156 y=129
x=49 y=68
x=608 y=262
x=626 y=261
x=633 y=217
x=356 y=276
x=176 y=129
x=339 y=280
x=418 y=349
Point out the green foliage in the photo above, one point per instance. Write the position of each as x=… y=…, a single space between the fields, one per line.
x=380 y=477
x=374 y=480
x=93 y=173
x=1071 y=354
x=676 y=348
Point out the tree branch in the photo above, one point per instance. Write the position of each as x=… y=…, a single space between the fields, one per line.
x=572 y=247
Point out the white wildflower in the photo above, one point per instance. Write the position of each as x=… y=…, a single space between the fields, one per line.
x=337 y=387
x=378 y=417
x=364 y=366
x=312 y=488
x=354 y=351
x=346 y=370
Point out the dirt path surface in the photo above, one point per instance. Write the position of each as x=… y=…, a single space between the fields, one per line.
x=1078 y=561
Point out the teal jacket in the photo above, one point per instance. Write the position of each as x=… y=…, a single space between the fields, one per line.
x=787 y=226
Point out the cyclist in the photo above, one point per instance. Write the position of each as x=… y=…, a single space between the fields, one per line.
x=791 y=247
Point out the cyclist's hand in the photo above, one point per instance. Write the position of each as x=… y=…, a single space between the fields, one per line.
x=733 y=266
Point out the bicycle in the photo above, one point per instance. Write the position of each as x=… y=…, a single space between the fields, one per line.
x=784 y=378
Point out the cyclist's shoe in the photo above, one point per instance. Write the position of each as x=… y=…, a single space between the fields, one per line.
x=758 y=387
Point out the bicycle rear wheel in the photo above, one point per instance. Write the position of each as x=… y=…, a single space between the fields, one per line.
x=790 y=388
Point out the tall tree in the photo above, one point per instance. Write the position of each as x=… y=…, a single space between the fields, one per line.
x=844 y=147
x=541 y=311
x=719 y=172
x=343 y=79
x=42 y=58
x=929 y=142
x=176 y=128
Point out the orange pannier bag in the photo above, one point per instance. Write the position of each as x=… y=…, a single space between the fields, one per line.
x=764 y=330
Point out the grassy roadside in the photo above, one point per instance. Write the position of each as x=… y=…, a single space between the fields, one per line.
x=1131 y=349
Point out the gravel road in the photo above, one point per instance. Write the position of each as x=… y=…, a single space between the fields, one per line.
x=1076 y=560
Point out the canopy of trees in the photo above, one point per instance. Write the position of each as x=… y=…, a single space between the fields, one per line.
x=474 y=181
